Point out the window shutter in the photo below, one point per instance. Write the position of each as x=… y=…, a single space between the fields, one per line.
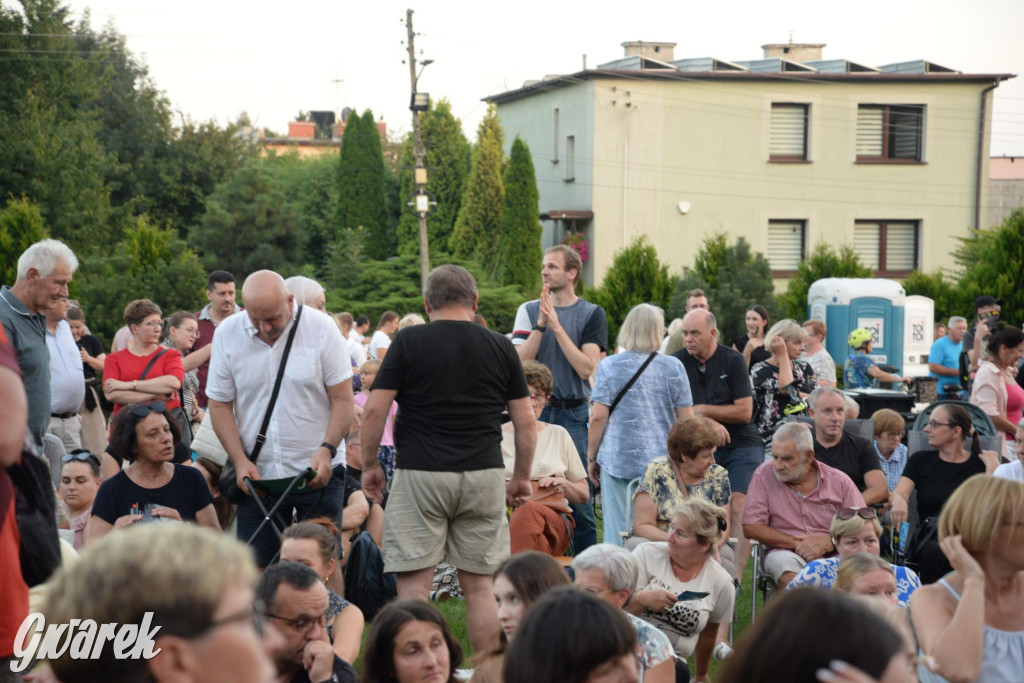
x=866 y=236
x=905 y=128
x=788 y=131
x=785 y=244
x=869 y=131
x=901 y=240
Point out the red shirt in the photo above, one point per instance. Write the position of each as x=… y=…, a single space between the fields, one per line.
x=125 y=366
x=13 y=590
x=783 y=508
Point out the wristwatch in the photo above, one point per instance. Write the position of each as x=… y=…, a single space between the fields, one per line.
x=332 y=448
x=541 y=328
x=332 y=679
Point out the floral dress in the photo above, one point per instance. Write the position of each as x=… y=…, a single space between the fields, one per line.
x=659 y=482
x=768 y=403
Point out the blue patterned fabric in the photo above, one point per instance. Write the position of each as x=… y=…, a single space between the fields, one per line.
x=822 y=573
x=855 y=373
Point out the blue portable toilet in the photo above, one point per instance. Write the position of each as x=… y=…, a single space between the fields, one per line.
x=844 y=304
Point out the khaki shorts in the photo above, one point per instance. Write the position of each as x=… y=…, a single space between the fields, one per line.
x=455 y=515
x=778 y=562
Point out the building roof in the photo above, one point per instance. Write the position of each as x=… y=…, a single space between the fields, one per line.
x=771 y=69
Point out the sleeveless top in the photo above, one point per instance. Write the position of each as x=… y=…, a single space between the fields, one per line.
x=1002 y=655
x=336 y=604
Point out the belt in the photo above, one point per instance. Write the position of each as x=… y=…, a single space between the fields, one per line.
x=566 y=403
x=64 y=416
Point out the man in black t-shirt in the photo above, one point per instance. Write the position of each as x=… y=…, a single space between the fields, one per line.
x=847 y=453
x=720 y=385
x=452 y=379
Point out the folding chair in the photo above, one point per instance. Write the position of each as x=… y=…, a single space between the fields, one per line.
x=282 y=488
x=630 y=492
x=762 y=581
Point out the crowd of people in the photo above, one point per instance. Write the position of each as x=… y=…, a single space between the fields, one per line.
x=434 y=446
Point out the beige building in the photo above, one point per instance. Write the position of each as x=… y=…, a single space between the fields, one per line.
x=782 y=152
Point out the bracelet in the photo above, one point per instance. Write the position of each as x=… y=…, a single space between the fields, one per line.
x=331 y=447
x=541 y=328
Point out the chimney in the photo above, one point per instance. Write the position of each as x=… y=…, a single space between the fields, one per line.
x=663 y=52
x=794 y=52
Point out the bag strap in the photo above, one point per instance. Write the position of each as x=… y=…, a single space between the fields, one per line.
x=152 y=360
x=631 y=381
x=262 y=436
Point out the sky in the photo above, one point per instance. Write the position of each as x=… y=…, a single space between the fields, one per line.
x=271 y=59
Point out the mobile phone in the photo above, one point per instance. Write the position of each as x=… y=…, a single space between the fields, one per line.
x=692 y=595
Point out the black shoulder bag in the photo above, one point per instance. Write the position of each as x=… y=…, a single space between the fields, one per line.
x=228 y=482
x=632 y=380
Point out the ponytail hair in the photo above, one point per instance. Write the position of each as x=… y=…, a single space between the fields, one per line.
x=959 y=417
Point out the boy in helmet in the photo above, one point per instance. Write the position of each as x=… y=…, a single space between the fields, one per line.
x=860 y=371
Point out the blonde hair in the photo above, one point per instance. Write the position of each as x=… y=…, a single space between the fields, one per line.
x=643 y=329
x=143 y=569
x=979 y=508
x=788 y=329
x=887 y=420
x=706 y=522
x=410 y=319
x=841 y=528
x=372 y=365
x=856 y=566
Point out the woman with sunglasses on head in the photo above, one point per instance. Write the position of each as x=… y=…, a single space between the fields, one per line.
x=79 y=481
x=145 y=371
x=181 y=334
x=854 y=530
x=935 y=474
x=151 y=487
x=995 y=389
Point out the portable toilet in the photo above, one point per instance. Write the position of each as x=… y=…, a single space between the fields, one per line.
x=844 y=304
x=918 y=334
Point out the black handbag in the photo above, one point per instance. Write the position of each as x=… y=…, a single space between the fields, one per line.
x=228 y=482
x=36 y=515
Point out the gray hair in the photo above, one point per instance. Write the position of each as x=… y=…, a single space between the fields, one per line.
x=410 y=319
x=304 y=289
x=812 y=400
x=956 y=319
x=450 y=285
x=852 y=408
x=616 y=564
x=44 y=256
x=643 y=329
x=796 y=433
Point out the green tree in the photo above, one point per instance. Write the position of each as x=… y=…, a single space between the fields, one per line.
x=21 y=226
x=251 y=223
x=635 y=277
x=519 y=241
x=823 y=262
x=149 y=262
x=993 y=264
x=361 y=200
x=733 y=276
x=312 y=185
x=479 y=221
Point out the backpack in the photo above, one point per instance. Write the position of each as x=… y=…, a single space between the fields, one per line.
x=366 y=584
x=36 y=515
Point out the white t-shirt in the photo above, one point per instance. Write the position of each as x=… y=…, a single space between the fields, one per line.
x=684 y=621
x=356 y=352
x=243 y=369
x=379 y=341
x=1011 y=470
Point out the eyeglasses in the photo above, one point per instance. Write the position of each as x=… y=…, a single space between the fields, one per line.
x=932 y=424
x=849 y=513
x=898 y=435
x=79 y=455
x=153 y=324
x=538 y=397
x=143 y=409
x=592 y=591
x=302 y=624
x=192 y=333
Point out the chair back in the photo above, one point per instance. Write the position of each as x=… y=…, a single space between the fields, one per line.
x=982 y=422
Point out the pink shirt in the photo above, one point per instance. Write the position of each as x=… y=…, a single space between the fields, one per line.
x=1014 y=405
x=783 y=508
x=388 y=439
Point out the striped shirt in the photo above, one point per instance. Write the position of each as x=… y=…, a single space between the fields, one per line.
x=893 y=467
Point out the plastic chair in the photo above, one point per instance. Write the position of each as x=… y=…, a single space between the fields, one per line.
x=631 y=488
x=918 y=441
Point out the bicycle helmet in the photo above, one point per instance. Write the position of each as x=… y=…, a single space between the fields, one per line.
x=859 y=337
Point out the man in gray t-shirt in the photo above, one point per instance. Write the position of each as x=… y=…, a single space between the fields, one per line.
x=44 y=271
x=568 y=335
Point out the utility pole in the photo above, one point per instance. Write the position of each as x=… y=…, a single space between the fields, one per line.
x=419 y=102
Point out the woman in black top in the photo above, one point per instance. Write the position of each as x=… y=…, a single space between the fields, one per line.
x=751 y=345
x=94 y=424
x=935 y=474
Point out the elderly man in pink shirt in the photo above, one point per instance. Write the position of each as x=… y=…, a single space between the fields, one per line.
x=791 y=503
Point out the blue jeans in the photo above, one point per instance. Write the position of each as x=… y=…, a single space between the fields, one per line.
x=574 y=420
x=614 y=507
x=302 y=506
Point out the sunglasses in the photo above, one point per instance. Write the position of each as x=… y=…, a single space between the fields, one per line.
x=141 y=410
x=79 y=455
x=849 y=513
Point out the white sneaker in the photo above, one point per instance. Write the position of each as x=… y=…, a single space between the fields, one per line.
x=722 y=651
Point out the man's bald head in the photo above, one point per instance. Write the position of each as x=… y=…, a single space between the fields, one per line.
x=267 y=303
x=700 y=333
